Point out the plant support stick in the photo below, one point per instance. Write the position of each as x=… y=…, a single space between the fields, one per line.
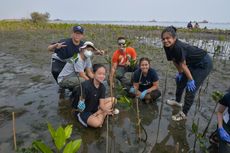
x=14 y=132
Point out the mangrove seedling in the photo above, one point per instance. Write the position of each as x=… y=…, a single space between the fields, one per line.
x=59 y=137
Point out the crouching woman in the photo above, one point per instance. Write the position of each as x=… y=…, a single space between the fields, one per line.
x=145 y=82
x=90 y=104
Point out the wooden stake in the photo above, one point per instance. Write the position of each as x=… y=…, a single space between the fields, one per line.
x=14 y=132
x=177 y=147
x=138 y=120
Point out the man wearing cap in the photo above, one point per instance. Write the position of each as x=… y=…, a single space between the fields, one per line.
x=123 y=60
x=73 y=72
x=65 y=49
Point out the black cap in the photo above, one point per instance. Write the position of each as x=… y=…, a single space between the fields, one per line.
x=78 y=28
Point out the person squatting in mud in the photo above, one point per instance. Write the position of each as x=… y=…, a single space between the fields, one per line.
x=65 y=49
x=123 y=60
x=90 y=104
x=145 y=82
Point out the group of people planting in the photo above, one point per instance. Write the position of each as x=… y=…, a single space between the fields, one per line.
x=72 y=69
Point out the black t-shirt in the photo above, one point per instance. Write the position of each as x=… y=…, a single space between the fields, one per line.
x=69 y=50
x=226 y=102
x=147 y=81
x=182 y=51
x=91 y=95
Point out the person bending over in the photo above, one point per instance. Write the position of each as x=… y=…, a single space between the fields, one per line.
x=193 y=65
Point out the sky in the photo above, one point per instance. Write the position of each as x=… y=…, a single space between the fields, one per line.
x=120 y=10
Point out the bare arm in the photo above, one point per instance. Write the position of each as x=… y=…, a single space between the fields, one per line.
x=220 y=111
x=113 y=70
x=154 y=87
x=52 y=47
x=89 y=72
x=136 y=87
x=179 y=69
x=105 y=107
x=83 y=75
x=185 y=69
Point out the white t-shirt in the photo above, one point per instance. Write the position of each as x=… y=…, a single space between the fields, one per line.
x=75 y=67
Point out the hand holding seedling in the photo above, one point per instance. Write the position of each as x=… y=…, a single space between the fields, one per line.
x=127 y=63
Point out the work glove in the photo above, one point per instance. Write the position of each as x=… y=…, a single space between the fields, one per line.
x=132 y=90
x=224 y=135
x=191 y=85
x=178 y=76
x=143 y=93
x=81 y=105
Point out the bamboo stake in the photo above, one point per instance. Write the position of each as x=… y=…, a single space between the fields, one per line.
x=162 y=101
x=14 y=131
x=206 y=129
x=177 y=147
x=138 y=120
x=107 y=118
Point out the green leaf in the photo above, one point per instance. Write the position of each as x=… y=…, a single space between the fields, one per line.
x=68 y=148
x=42 y=147
x=76 y=145
x=194 y=128
x=68 y=131
x=60 y=138
x=217 y=95
x=51 y=130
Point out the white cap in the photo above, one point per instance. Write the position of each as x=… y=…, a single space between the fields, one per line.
x=88 y=43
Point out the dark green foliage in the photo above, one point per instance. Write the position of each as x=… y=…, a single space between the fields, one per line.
x=39 y=17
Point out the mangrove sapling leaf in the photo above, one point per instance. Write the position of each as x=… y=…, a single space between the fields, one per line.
x=68 y=131
x=76 y=145
x=120 y=90
x=132 y=63
x=51 y=130
x=68 y=148
x=42 y=147
x=124 y=100
x=217 y=95
x=194 y=128
x=28 y=150
x=108 y=59
x=74 y=58
x=60 y=138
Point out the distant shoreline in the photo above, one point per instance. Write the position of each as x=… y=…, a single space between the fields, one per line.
x=139 y=21
x=14 y=25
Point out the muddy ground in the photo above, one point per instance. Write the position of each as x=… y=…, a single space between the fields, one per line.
x=28 y=89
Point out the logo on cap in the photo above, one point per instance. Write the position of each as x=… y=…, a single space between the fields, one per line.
x=78 y=29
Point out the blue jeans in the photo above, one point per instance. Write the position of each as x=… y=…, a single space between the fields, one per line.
x=199 y=72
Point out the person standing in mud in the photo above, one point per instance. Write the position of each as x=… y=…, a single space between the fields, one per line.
x=145 y=82
x=193 y=65
x=123 y=60
x=223 y=118
x=90 y=105
x=65 y=49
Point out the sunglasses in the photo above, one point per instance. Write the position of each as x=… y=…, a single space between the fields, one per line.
x=123 y=44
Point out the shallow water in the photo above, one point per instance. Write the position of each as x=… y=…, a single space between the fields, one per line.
x=30 y=91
